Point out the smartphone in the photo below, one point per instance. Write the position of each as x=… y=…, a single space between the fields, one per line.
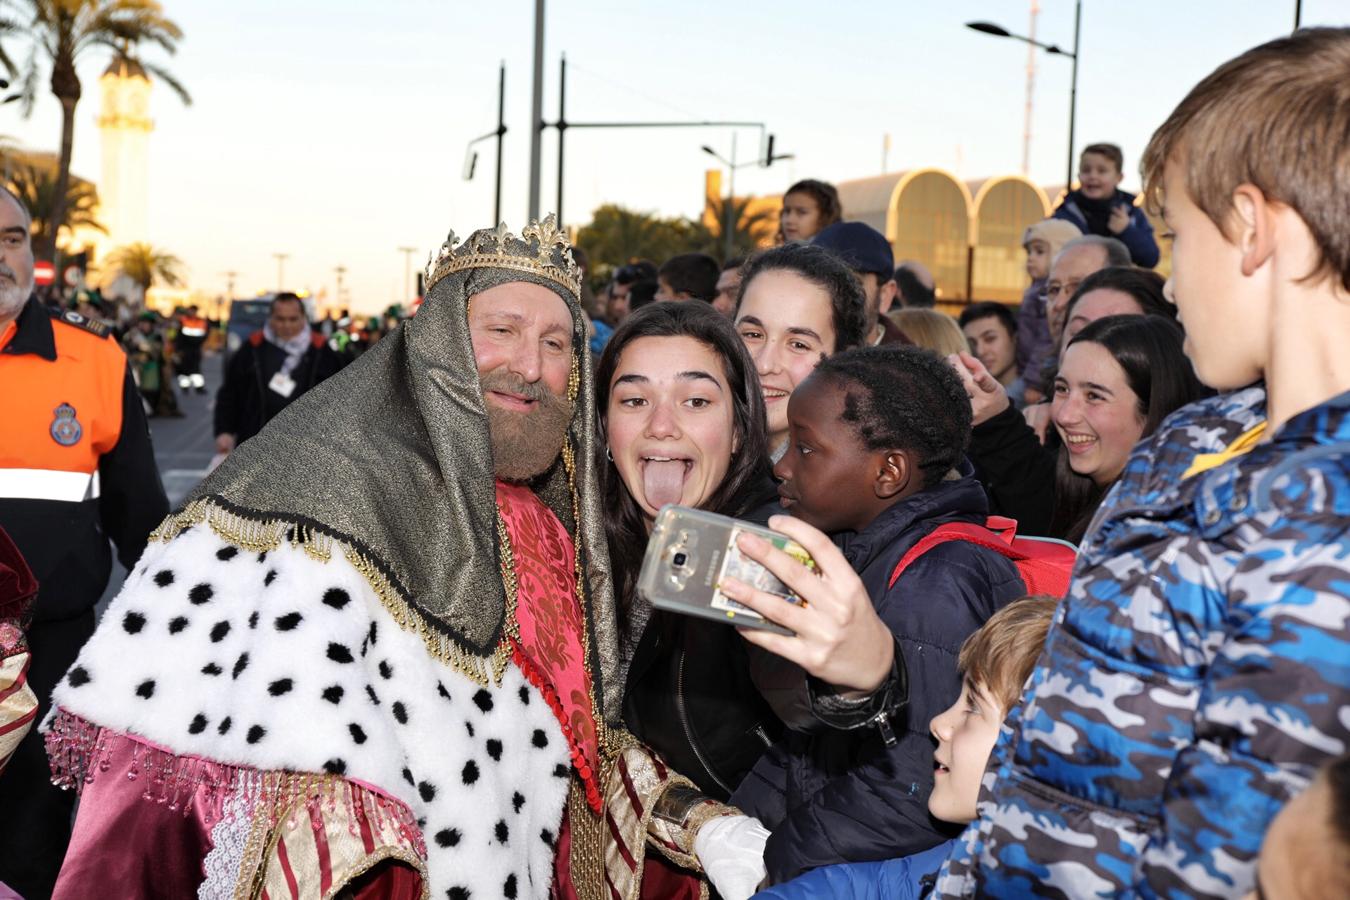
x=689 y=553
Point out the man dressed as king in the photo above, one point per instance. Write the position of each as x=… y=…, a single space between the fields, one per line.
x=374 y=655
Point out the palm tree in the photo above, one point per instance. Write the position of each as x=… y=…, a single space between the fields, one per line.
x=751 y=229
x=33 y=180
x=61 y=32
x=145 y=265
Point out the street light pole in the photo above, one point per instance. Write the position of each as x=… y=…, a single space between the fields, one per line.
x=407 y=271
x=999 y=31
x=281 y=270
x=1073 y=90
x=729 y=207
x=537 y=108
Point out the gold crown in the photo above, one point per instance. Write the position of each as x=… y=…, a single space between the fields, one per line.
x=542 y=249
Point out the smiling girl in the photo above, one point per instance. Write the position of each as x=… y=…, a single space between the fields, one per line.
x=1121 y=376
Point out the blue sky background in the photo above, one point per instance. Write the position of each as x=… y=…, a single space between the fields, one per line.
x=335 y=130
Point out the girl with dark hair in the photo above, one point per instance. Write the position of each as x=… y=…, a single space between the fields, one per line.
x=809 y=207
x=1119 y=378
x=1127 y=373
x=798 y=304
x=682 y=420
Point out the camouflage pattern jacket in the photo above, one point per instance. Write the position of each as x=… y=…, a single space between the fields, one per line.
x=1195 y=678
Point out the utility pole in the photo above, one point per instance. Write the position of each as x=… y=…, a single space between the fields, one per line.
x=407 y=271
x=229 y=283
x=1031 y=90
x=537 y=109
x=340 y=271
x=281 y=270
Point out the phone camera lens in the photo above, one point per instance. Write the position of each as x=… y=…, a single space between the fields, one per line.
x=680 y=559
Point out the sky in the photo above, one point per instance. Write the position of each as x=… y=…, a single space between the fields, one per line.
x=335 y=131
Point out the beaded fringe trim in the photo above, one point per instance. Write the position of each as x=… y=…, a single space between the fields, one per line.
x=80 y=751
x=265 y=535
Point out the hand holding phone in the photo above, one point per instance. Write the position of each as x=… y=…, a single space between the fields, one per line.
x=837 y=635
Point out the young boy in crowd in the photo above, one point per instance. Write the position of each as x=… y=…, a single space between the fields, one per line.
x=876 y=458
x=689 y=276
x=1098 y=205
x=1306 y=853
x=994 y=664
x=991 y=331
x=1042 y=241
x=1197 y=679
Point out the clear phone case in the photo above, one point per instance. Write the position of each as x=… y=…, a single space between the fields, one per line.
x=689 y=553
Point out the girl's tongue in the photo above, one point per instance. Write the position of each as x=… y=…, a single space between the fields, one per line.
x=663 y=481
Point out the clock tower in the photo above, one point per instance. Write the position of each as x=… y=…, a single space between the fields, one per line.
x=125 y=126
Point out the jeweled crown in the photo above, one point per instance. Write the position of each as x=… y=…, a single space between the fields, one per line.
x=542 y=249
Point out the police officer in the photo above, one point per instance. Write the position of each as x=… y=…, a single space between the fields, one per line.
x=76 y=468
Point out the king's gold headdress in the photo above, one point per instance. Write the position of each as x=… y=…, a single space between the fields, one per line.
x=542 y=249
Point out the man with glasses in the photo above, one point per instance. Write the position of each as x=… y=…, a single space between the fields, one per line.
x=1078 y=259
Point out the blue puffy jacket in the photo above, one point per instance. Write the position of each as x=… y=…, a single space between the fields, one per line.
x=894 y=879
x=1137 y=236
x=1197 y=675
x=844 y=796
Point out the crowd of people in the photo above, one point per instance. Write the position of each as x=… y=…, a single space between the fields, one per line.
x=1071 y=618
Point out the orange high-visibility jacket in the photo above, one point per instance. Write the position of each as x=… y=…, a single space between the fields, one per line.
x=76 y=464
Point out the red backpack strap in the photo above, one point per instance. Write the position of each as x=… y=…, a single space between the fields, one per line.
x=998 y=541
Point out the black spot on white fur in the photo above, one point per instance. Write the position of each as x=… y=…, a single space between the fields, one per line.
x=198 y=725
x=255 y=733
x=494 y=749
x=133 y=622
x=200 y=594
x=524 y=696
x=211 y=669
x=335 y=767
x=483 y=700
x=225 y=554
x=470 y=772
x=374 y=698
x=164 y=578
x=386 y=670
x=270 y=577
x=336 y=598
x=224 y=726
x=219 y=631
x=339 y=653
x=280 y=686
x=447 y=837
x=358 y=733
x=146 y=689
x=426 y=790
x=288 y=621
x=539 y=739
x=177 y=624
x=400 y=712
x=333 y=694
x=517 y=801
x=240 y=665
x=78 y=677
x=509 y=889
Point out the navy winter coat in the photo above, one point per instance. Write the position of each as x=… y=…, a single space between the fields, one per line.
x=844 y=796
x=1137 y=236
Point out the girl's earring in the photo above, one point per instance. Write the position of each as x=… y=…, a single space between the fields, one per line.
x=608 y=455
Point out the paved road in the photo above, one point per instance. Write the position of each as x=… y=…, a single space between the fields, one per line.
x=184 y=447
x=183 y=450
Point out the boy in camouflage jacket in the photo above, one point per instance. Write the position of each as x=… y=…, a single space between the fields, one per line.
x=1199 y=671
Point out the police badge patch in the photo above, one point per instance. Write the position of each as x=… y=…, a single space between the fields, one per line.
x=66 y=429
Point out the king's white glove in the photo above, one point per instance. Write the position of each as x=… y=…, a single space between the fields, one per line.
x=731 y=851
